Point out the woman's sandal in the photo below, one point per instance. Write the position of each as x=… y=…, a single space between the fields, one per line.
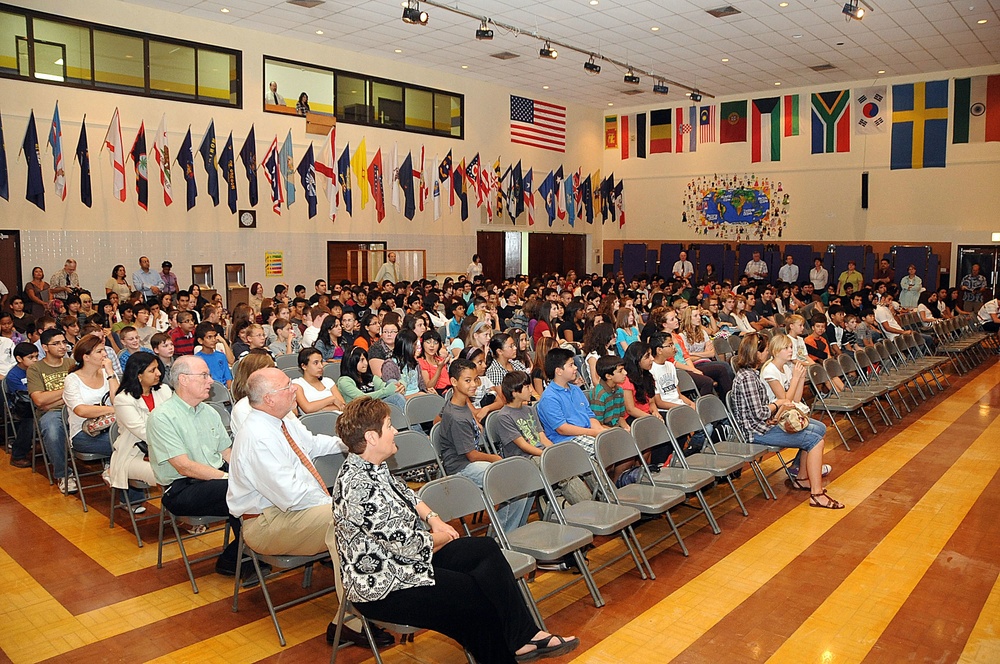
x=542 y=649
x=199 y=529
x=831 y=504
x=799 y=483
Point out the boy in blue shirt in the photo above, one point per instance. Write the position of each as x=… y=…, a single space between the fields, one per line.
x=218 y=365
x=25 y=354
x=564 y=409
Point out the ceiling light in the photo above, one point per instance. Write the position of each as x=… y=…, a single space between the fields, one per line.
x=631 y=78
x=725 y=59
x=224 y=10
x=852 y=10
x=398 y=50
x=465 y=66
x=695 y=96
x=319 y=32
x=796 y=36
x=981 y=21
x=655 y=28
x=484 y=33
x=413 y=15
x=777 y=82
x=548 y=52
x=611 y=103
x=660 y=88
x=881 y=71
x=545 y=87
x=591 y=67
x=782 y=4
x=593 y=3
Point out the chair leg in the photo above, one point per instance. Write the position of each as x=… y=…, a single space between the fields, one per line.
x=184 y=557
x=131 y=515
x=341 y=612
x=237 y=579
x=736 y=495
x=263 y=589
x=529 y=600
x=677 y=534
x=588 y=578
x=635 y=559
x=708 y=512
x=111 y=512
x=642 y=554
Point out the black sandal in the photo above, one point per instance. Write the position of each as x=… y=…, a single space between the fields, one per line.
x=831 y=505
x=799 y=484
x=542 y=650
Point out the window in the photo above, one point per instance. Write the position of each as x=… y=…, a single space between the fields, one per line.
x=71 y=43
x=218 y=77
x=352 y=100
x=171 y=69
x=316 y=83
x=388 y=104
x=419 y=110
x=118 y=61
x=13 y=45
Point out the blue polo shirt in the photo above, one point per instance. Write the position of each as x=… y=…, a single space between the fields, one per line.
x=218 y=366
x=563 y=405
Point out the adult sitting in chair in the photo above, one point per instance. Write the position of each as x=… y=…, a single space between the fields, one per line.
x=396 y=570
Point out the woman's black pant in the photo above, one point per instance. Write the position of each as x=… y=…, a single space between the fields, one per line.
x=474 y=600
x=719 y=372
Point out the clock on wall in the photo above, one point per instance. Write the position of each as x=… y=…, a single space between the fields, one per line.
x=248 y=218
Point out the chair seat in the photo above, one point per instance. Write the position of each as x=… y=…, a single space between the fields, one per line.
x=650 y=499
x=600 y=518
x=717 y=464
x=291 y=562
x=687 y=480
x=745 y=451
x=89 y=456
x=200 y=520
x=521 y=564
x=547 y=541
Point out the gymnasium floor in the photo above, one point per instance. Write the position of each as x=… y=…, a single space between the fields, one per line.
x=907 y=573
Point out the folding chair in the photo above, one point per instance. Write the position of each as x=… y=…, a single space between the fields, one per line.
x=861 y=381
x=398 y=418
x=224 y=415
x=289 y=361
x=414 y=450
x=870 y=363
x=220 y=394
x=834 y=369
x=127 y=507
x=321 y=423
x=423 y=409
x=9 y=428
x=493 y=442
x=712 y=411
x=517 y=477
x=38 y=446
x=291 y=372
x=213 y=523
x=331 y=370
x=85 y=457
x=740 y=437
x=835 y=404
x=328 y=466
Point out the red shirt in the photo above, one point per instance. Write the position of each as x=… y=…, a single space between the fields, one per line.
x=148 y=398
x=183 y=343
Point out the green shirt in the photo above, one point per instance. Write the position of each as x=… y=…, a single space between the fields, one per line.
x=175 y=428
x=608 y=407
x=43 y=378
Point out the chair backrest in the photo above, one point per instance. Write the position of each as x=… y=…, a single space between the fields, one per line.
x=649 y=432
x=328 y=466
x=322 y=423
x=223 y=414
x=331 y=370
x=453 y=497
x=563 y=461
x=511 y=478
x=492 y=435
x=817 y=375
x=684 y=382
x=711 y=409
x=833 y=367
x=682 y=421
x=289 y=361
x=292 y=372
x=423 y=408
x=219 y=393
x=413 y=449
x=613 y=446
x=398 y=417
x=112 y=431
x=883 y=350
x=848 y=365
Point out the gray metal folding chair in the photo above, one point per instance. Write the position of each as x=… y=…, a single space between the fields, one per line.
x=220 y=394
x=712 y=411
x=321 y=423
x=38 y=446
x=834 y=369
x=414 y=450
x=291 y=372
x=213 y=523
x=127 y=506
x=72 y=456
x=331 y=370
x=328 y=466
x=398 y=417
x=423 y=409
x=289 y=361
x=224 y=415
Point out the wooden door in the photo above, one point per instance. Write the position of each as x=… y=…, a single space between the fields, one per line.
x=336 y=259
x=556 y=252
x=10 y=260
x=490 y=247
x=574 y=253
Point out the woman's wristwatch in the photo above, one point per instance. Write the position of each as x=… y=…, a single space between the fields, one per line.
x=431 y=515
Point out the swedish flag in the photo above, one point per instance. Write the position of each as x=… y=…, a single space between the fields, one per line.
x=919 y=125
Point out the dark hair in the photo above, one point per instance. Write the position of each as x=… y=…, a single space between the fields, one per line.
x=365 y=322
x=469 y=353
x=598 y=339
x=203 y=329
x=324 y=331
x=183 y=316
x=645 y=386
x=84 y=347
x=555 y=359
x=24 y=349
x=458 y=366
x=607 y=365
x=114 y=271
x=139 y=306
x=497 y=342
x=512 y=383
x=817 y=319
x=158 y=339
x=304 y=356
x=404 y=351
x=349 y=367
x=750 y=346
x=362 y=415
x=136 y=364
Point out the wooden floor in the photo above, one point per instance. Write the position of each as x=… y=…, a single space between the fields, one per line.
x=907 y=573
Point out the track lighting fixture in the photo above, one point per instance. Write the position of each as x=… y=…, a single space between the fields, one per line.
x=591 y=67
x=413 y=15
x=631 y=78
x=484 y=33
x=853 y=10
x=695 y=96
x=660 y=88
x=548 y=52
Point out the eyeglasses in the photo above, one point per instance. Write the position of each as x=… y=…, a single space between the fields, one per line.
x=62 y=342
x=287 y=388
x=204 y=375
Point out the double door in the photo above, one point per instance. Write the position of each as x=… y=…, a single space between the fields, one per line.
x=987 y=257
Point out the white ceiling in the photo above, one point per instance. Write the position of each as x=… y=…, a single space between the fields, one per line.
x=765 y=44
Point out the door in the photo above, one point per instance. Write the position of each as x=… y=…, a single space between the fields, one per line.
x=556 y=252
x=336 y=258
x=988 y=259
x=237 y=291
x=10 y=260
x=490 y=245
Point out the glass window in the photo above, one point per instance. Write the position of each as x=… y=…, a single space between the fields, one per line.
x=295 y=79
x=352 y=99
x=218 y=76
x=13 y=44
x=69 y=43
x=419 y=109
x=447 y=114
x=388 y=100
x=118 y=61
x=171 y=69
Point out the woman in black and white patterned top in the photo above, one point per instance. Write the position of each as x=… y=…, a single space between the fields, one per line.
x=396 y=570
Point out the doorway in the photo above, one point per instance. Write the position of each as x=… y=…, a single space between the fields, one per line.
x=337 y=266
x=988 y=258
x=10 y=261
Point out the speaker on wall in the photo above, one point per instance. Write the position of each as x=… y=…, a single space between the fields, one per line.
x=864 y=190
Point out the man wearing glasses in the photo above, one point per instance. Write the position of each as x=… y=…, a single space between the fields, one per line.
x=189 y=451
x=45 y=386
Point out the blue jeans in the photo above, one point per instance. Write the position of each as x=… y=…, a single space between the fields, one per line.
x=805 y=440
x=513 y=515
x=54 y=440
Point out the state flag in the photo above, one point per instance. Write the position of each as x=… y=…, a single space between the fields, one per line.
x=625 y=137
x=483 y=187
x=161 y=153
x=288 y=169
x=578 y=193
x=185 y=159
x=444 y=176
x=919 y=125
x=139 y=161
x=375 y=181
x=436 y=189
x=977 y=109
x=394 y=177
x=35 y=188
x=871 y=108
x=344 y=179
x=529 y=197
x=227 y=164
x=569 y=195
x=640 y=135
x=423 y=191
x=208 y=151
x=307 y=178
x=405 y=178
x=619 y=199
x=503 y=189
x=595 y=182
x=790 y=115
x=116 y=150
x=766 y=138
x=272 y=173
x=831 y=121
x=248 y=156
x=326 y=166
x=606 y=186
x=733 y=122
x=472 y=175
x=560 y=193
x=706 y=124
x=587 y=196
x=359 y=164
x=58 y=164
x=686 y=138
x=82 y=157
x=660 y=131
x=515 y=201
x=458 y=186
x=610 y=187
x=547 y=191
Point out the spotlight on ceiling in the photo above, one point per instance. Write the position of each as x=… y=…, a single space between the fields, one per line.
x=631 y=78
x=660 y=88
x=695 y=96
x=548 y=52
x=484 y=33
x=853 y=10
x=413 y=15
x=591 y=66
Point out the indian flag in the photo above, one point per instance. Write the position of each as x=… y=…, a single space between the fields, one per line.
x=977 y=109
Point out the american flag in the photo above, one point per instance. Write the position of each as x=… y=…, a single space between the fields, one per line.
x=706 y=124
x=538 y=124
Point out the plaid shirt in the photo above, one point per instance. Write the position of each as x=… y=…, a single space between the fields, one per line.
x=750 y=407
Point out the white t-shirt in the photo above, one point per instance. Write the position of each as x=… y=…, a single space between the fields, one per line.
x=799 y=347
x=883 y=316
x=771 y=372
x=925 y=313
x=311 y=393
x=988 y=309
x=665 y=377
x=77 y=393
x=310 y=336
x=7 y=360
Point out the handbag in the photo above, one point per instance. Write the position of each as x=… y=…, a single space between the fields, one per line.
x=94 y=426
x=793 y=421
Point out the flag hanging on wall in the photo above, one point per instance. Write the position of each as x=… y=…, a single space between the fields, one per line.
x=458 y=186
x=58 y=165
x=569 y=195
x=161 y=153
x=919 y=125
x=185 y=159
x=503 y=189
x=140 y=163
x=766 y=136
x=578 y=193
x=733 y=122
x=359 y=164
x=529 y=196
x=227 y=164
x=538 y=124
x=405 y=178
x=831 y=121
x=4 y=174
x=444 y=176
x=307 y=178
x=626 y=137
x=376 y=182
x=288 y=169
x=272 y=173
x=472 y=175
x=595 y=182
x=619 y=197
x=113 y=142
x=547 y=191
x=610 y=197
x=515 y=202
x=587 y=196
x=706 y=124
x=560 y=194
x=977 y=110
x=686 y=137
x=436 y=189
x=640 y=135
x=790 y=115
x=423 y=192
x=208 y=151
x=871 y=108
x=326 y=166
x=35 y=189
x=394 y=176
x=248 y=155
x=344 y=179
x=483 y=187
x=82 y=157
x=610 y=132
x=660 y=131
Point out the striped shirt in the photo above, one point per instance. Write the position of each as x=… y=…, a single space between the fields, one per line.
x=608 y=407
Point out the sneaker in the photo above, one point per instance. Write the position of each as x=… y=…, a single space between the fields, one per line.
x=106 y=475
x=553 y=567
x=68 y=485
x=138 y=509
x=794 y=470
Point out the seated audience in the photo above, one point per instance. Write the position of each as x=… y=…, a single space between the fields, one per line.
x=317 y=392
x=208 y=339
x=357 y=380
x=141 y=390
x=564 y=409
x=18 y=400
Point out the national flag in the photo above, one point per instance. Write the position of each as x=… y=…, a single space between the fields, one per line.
x=606 y=186
x=733 y=122
x=610 y=132
x=529 y=197
x=248 y=156
x=35 y=189
x=625 y=137
x=161 y=153
x=977 y=110
x=660 y=131
x=569 y=195
x=871 y=108
x=640 y=135
x=516 y=200
x=503 y=189
x=404 y=176
x=185 y=159
x=578 y=193
x=790 y=115
x=444 y=176
x=537 y=123
x=420 y=175
x=227 y=164
x=547 y=191
x=58 y=165
x=472 y=175
x=560 y=193
x=376 y=184
x=919 y=125
x=307 y=178
x=326 y=166
x=436 y=190
x=706 y=124
x=610 y=186
x=394 y=177
x=587 y=195
x=344 y=179
x=208 y=150
x=766 y=138
x=619 y=198
x=596 y=184
x=113 y=142
x=140 y=162
x=483 y=187
x=495 y=192
x=82 y=157
x=831 y=121
x=359 y=164
x=272 y=173
x=458 y=186
x=686 y=136
x=4 y=173
x=288 y=169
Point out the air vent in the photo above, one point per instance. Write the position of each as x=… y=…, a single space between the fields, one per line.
x=722 y=12
x=826 y=67
x=504 y=55
x=632 y=91
x=308 y=4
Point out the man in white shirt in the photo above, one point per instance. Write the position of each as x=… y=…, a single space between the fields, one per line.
x=756 y=268
x=311 y=334
x=272 y=98
x=683 y=269
x=789 y=272
x=989 y=314
x=388 y=270
x=885 y=318
x=819 y=276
